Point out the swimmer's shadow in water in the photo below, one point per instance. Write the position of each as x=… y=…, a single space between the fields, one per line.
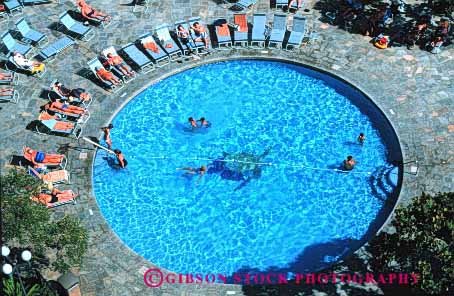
x=111 y=162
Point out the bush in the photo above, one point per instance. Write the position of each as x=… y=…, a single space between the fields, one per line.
x=26 y=224
x=423 y=243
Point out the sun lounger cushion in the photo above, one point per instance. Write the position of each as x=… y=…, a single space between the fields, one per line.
x=136 y=55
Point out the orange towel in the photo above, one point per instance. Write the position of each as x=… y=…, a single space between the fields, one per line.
x=62 y=126
x=169 y=45
x=223 y=30
x=54 y=176
x=241 y=20
x=151 y=46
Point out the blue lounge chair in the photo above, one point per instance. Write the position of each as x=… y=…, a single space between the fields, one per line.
x=259 y=30
x=297 y=34
x=82 y=32
x=284 y=3
x=166 y=42
x=56 y=47
x=12 y=80
x=50 y=126
x=190 y=45
x=10 y=96
x=11 y=45
x=93 y=64
x=138 y=58
x=199 y=44
x=3 y=16
x=278 y=31
x=30 y=35
x=160 y=57
x=104 y=23
x=240 y=35
x=223 y=35
x=243 y=4
x=114 y=69
x=36 y=2
x=14 y=7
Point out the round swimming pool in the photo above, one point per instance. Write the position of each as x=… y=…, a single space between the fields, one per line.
x=274 y=196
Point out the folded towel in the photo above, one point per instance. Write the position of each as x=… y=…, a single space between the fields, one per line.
x=151 y=46
x=169 y=45
x=241 y=21
x=223 y=30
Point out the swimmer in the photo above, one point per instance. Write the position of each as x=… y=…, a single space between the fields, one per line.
x=193 y=122
x=349 y=163
x=107 y=138
x=361 y=138
x=204 y=122
x=121 y=159
x=193 y=171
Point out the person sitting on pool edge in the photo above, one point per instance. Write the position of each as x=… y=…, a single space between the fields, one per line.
x=193 y=171
x=361 y=138
x=122 y=162
x=349 y=163
x=192 y=122
x=204 y=122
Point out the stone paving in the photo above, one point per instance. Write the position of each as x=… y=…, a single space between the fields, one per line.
x=413 y=88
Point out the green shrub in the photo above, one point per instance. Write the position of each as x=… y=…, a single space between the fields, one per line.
x=27 y=224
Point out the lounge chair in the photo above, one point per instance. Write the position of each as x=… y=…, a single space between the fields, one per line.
x=56 y=47
x=117 y=72
x=243 y=4
x=284 y=3
x=223 y=34
x=138 y=58
x=11 y=45
x=157 y=54
x=199 y=44
x=167 y=43
x=297 y=34
x=14 y=7
x=240 y=35
x=60 y=176
x=36 y=2
x=51 y=126
x=52 y=95
x=82 y=32
x=95 y=63
x=3 y=16
x=259 y=30
x=45 y=195
x=40 y=157
x=30 y=35
x=191 y=45
x=278 y=31
x=13 y=80
x=80 y=117
x=13 y=66
x=12 y=97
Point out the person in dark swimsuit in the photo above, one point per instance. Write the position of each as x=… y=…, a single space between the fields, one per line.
x=122 y=162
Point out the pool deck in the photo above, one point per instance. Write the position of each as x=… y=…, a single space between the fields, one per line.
x=413 y=88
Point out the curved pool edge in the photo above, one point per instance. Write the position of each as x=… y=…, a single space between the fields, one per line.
x=291 y=60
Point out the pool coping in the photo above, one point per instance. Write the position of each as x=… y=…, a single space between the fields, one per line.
x=207 y=60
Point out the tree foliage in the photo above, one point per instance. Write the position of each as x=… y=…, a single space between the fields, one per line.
x=29 y=225
x=423 y=243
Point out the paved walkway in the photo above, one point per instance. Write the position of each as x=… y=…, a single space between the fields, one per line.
x=413 y=88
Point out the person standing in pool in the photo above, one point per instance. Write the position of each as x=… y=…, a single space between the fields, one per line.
x=122 y=162
x=204 y=122
x=193 y=122
x=361 y=138
x=193 y=171
x=107 y=138
x=349 y=163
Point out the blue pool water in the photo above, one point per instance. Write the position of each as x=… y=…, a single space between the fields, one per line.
x=287 y=217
